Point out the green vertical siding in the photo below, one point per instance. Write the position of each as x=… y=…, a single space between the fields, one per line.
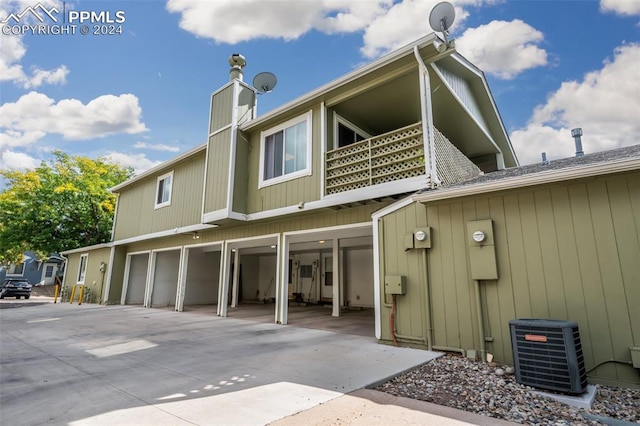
x=241 y=174
x=221 y=109
x=246 y=100
x=217 y=179
x=136 y=203
x=564 y=251
x=117 y=274
x=93 y=281
x=289 y=193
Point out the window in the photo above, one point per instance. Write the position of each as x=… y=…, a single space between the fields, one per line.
x=163 y=192
x=347 y=133
x=286 y=151
x=48 y=272
x=82 y=268
x=16 y=269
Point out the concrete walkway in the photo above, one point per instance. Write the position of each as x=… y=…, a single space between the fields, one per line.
x=123 y=365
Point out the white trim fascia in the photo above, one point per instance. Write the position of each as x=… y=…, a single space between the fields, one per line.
x=200 y=245
x=347 y=78
x=233 y=243
x=115 y=216
x=107 y=288
x=426 y=115
x=86 y=249
x=232 y=146
x=376 y=191
x=323 y=146
x=539 y=178
x=377 y=301
x=173 y=248
x=168 y=233
x=215 y=215
x=135 y=253
x=464 y=107
x=221 y=129
x=159 y=167
x=328 y=229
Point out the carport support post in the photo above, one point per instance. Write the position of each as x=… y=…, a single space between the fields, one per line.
x=282 y=280
x=225 y=269
x=337 y=282
x=182 y=279
x=236 y=274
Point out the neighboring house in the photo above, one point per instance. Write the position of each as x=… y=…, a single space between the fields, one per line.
x=562 y=241
x=38 y=272
x=279 y=207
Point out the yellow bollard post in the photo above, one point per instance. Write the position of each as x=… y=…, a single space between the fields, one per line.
x=55 y=293
x=81 y=294
x=73 y=293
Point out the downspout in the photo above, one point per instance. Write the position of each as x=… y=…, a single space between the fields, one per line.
x=483 y=353
x=427 y=297
x=426 y=108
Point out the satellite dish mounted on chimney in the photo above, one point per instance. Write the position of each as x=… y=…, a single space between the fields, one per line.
x=264 y=82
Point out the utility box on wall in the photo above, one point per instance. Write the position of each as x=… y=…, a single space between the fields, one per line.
x=395 y=284
x=482 y=252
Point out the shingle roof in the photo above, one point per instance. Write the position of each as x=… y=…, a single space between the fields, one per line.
x=565 y=163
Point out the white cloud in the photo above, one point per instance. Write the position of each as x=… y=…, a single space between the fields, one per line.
x=17 y=161
x=36 y=114
x=156 y=147
x=504 y=49
x=13 y=50
x=139 y=162
x=606 y=104
x=385 y=25
x=621 y=7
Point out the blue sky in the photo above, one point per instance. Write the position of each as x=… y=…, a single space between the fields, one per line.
x=142 y=97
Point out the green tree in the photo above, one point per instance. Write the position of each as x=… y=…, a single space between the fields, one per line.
x=61 y=205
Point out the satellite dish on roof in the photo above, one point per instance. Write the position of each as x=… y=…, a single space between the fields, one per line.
x=264 y=82
x=441 y=18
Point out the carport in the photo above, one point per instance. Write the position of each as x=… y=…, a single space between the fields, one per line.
x=165 y=268
x=135 y=278
x=200 y=276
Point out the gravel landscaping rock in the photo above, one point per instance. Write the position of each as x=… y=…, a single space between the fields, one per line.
x=474 y=386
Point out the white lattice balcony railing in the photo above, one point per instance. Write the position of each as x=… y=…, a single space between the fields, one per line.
x=394 y=156
x=384 y=158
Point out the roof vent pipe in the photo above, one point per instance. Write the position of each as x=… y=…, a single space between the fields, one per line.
x=576 y=133
x=544 y=159
x=237 y=63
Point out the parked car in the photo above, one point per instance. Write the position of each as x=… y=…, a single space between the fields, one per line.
x=15 y=287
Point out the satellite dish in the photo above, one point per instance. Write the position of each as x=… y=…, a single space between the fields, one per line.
x=265 y=82
x=441 y=18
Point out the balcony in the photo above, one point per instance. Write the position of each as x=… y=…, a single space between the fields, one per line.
x=394 y=156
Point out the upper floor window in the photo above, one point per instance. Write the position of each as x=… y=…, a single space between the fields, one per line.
x=347 y=133
x=163 y=190
x=82 y=268
x=285 y=151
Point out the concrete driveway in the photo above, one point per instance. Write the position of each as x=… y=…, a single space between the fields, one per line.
x=106 y=365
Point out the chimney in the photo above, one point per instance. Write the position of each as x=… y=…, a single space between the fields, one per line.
x=576 y=133
x=237 y=63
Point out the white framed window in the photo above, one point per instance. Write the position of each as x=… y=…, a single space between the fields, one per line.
x=345 y=133
x=16 y=270
x=163 y=190
x=82 y=268
x=285 y=151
